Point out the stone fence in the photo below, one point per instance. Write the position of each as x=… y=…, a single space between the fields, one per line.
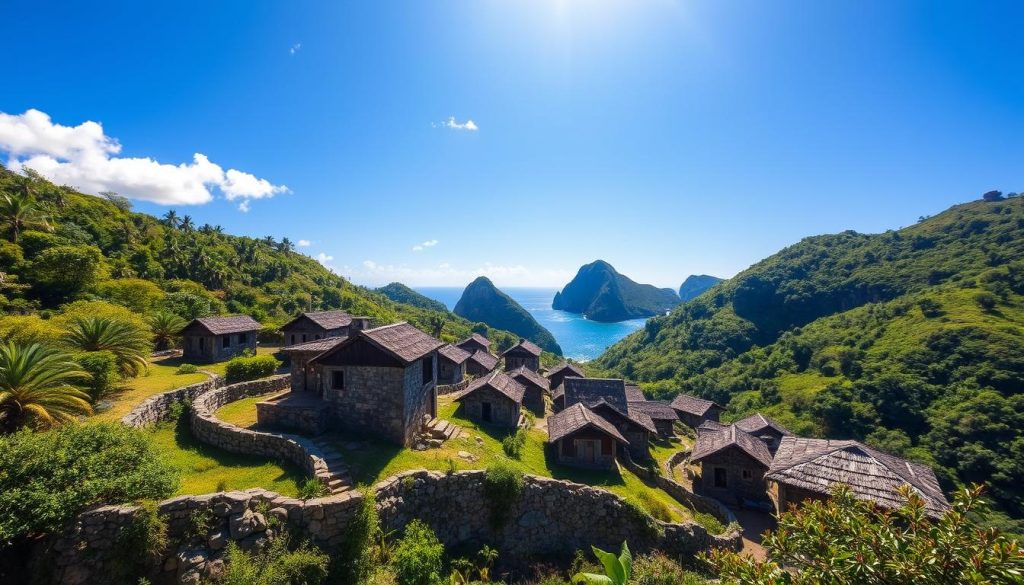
x=452 y=388
x=157 y=408
x=549 y=517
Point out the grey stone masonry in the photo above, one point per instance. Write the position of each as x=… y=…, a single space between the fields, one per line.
x=157 y=408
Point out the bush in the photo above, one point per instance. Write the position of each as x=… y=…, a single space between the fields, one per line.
x=187 y=369
x=513 y=444
x=141 y=543
x=658 y=569
x=986 y=300
x=240 y=369
x=47 y=478
x=417 y=557
x=502 y=485
x=312 y=488
x=275 y=565
x=102 y=369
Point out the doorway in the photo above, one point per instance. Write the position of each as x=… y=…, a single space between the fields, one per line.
x=485 y=413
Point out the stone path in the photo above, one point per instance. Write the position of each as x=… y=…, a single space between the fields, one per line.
x=438 y=430
x=333 y=473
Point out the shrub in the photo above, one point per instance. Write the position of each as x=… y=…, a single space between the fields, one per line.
x=986 y=300
x=513 y=444
x=275 y=565
x=187 y=369
x=417 y=557
x=141 y=542
x=312 y=488
x=658 y=569
x=48 y=478
x=502 y=486
x=712 y=524
x=102 y=369
x=240 y=369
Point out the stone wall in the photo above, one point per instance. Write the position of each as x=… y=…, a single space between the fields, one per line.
x=550 y=517
x=157 y=408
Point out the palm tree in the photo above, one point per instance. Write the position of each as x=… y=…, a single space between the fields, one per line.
x=186 y=224
x=285 y=246
x=19 y=212
x=170 y=219
x=128 y=343
x=37 y=387
x=436 y=324
x=165 y=326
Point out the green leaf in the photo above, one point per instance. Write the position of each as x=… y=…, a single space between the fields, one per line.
x=626 y=560
x=592 y=579
x=612 y=566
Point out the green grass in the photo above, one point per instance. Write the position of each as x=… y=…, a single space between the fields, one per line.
x=160 y=377
x=240 y=412
x=205 y=469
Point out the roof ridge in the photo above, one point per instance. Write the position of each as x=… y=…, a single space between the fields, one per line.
x=383 y=327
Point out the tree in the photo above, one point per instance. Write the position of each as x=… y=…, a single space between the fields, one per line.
x=286 y=246
x=617 y=569
x=171 y=219
x=128 y=343
x=63 y=271
x=436 y=324
x=166 y=327
x=993 y=196
x=417 y=556
x=186 y=224
x=849 y=541
x=38 y=388
x=20 y=212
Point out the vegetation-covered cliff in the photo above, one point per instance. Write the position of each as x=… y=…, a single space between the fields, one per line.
x=483 y=302
x=400 y=293
x=912 y=340
x=695 y=285
x=600 y=293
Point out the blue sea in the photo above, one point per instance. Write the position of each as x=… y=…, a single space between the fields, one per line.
x=580 y=339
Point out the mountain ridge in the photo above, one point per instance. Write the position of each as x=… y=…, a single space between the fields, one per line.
x=482 y=301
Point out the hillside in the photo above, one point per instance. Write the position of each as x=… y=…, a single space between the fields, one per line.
x=483 y=302
x=600 y=293
x=911 y=339
x=72 y=246
x=400 y=293
x=695 y=285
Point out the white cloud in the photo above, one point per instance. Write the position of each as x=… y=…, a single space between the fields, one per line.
x=422 y=246
x=324 y=258
x=295 y=48
x=304 y=243
x=244 y=206
x=452 y=124
x=444 y=274
x=84 y=157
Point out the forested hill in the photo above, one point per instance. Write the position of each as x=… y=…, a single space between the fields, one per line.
x=482 y=301
x=70 y=246
x=912 y=339
x=600 y=293
x=400 y=293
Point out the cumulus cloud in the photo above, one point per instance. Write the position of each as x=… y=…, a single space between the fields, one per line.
x=452 y=124
x=424 y=245
x=295 y=48
x=85 y=157
x=324 y=259
x=444 y=274
x=304 y=243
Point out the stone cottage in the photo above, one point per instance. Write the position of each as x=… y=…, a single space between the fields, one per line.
x=607 y=398
x=536 y=387
x=381 y=381
x=523 y=354
x=764 y=428
x=451 y=364
x=732 y=463
x=582 y=438
x=481 y=363
x=303 y=377
x=475 y=343
x=213 y=339
x=661 y=413
x=807 y=469
x=693 y=411
x=557 y=374
x=314 y=325
x=493 y=399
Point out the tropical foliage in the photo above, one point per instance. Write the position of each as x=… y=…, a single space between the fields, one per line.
x=618 y=569
x=39 y=388
x=129 y=344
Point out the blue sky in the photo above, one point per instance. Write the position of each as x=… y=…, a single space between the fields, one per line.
x=667 y=137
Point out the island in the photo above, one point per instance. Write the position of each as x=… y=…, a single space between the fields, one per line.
x=600 y=293
x=483 y=302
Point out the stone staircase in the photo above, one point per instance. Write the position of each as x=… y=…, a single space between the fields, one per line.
x=333 y=472
x=436 y=431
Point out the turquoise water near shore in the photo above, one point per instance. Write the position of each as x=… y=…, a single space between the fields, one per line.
x=579 y=338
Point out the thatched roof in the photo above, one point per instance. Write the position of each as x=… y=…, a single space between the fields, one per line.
x=225 y=325
x=316 y=346
x=527 y=376
x=524 y=345
x=566 y=369
x=578 y=417
x=499 y=382
x=326 y=319
x=819 y=464
x=693 y=405
x=656 y=409
x=456 y=355
x=484 y=359
x=715 y=440
x=757 y=424
x=404 y=341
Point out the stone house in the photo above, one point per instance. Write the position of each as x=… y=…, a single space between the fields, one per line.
x=661 y=413
x=381 y=381
x=557 y=374
x=495 y=399
x=536 y=387
x=582 y=438
x=732 y=463
x=214 y=339
x=558 y=397
x=313 y=325
x=607 y=397
x=451 y=364
x=475 y=343
x=305 y=378
x=523 y=354
x=807 y=469
x=481 y=363
x=764 y=428
x=693 y=411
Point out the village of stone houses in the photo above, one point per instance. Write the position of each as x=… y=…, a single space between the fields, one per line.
x=387 y=413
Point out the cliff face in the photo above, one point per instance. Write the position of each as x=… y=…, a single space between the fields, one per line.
x=695 y=285
x=600 y=293
x=483 y=302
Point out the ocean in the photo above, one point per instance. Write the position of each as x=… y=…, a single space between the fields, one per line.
x=580 y=339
